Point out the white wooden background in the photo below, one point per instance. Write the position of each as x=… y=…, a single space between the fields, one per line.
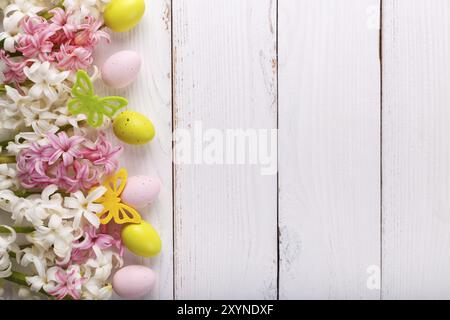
x=360 y=208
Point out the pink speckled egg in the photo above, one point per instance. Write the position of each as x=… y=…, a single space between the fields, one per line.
x=132 y=282
x=121 y=69
x=141 y=191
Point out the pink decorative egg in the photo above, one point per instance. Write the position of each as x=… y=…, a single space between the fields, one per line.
x=132 y=282
x=121 y=69
x=141 y=191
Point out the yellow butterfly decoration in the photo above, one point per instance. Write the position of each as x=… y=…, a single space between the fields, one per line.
x=113 y=208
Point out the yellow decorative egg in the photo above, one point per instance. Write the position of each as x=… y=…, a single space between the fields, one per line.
x=123 y=15
x=133 y=127
x=141 y=239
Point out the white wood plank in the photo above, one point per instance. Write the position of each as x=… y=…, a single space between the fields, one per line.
x=416 y=149
x=151 y=95
x=225 y=215
x=329 y=169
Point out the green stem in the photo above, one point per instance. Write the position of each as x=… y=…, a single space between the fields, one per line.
x=5 y=143
x=21 y=193
x=15 y=54
x=7 y=159
x=46 y=15
x=24 y=193
x=17 y=278
x=17 y=229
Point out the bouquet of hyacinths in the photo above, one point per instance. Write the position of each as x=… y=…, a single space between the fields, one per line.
x=69 y=209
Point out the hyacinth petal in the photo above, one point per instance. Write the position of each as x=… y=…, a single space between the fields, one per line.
x=95 y=207
x=77 y=220
x=9 y=45
x=67 y=159
x=36 y=91
x=49 y=190
x=96 y=194
x=92 y=219
x=71 y=203
x=54 y=157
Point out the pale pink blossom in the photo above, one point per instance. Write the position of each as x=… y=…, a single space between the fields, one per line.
x=65 y=282
x=78 y=176
x=33 y=24
x=64 y=29
x=94 y=241
x=35 y=42
x=73 y=57
x=65 y=147
x=14 y=69
x=86 y=178
x=66 y=162
x=103 y=153
x=90 y=33
x=31 y=167
x=15 y=73
x=92 y=238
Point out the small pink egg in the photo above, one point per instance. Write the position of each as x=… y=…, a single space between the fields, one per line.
x=121 y=69
x=132 y=282
x=141 y=191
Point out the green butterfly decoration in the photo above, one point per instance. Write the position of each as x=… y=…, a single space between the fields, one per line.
x=85 y=102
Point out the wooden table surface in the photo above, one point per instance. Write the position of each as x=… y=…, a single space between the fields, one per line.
x=360 y=205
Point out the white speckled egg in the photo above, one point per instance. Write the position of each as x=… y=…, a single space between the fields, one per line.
x=141 y=191
x=132 y=282
x=121 y=69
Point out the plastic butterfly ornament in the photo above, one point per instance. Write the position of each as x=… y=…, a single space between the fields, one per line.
x=85 y=102
x=113 y=208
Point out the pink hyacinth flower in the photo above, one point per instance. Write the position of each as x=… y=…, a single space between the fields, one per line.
x=65 y=147
x=102 y=153
x=73 y=58
x=33 y=24
x=85 y=177
x=14 y=70
x=77 y=256
x=68 y=282
x=64 y=29
x=94 y=240
x=100 y=240
x=78 y=176
x=90 y=33
x=35 y=42
x=32 y=167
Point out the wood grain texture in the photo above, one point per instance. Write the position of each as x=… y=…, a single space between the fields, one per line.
x=416 y=153
x=329 y=149
x=225 y=215
x=151 y=95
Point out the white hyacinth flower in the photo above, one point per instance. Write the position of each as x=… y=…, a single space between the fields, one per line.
x=85 y=206
x=57 y=234
x=96 y=290
x=47 y=80
x=5 y=245
x=83 y=8
x=8 y=178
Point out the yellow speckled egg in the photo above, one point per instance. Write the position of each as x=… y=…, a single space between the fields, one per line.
x=133 y=127
x=123 y=15
x=141 y=239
